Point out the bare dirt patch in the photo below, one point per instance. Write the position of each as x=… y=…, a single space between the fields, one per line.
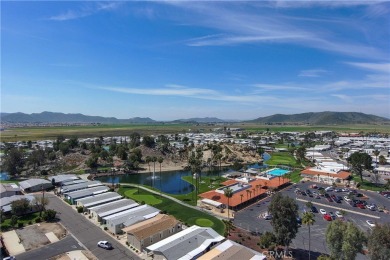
x=88 y=255
x=34 y=236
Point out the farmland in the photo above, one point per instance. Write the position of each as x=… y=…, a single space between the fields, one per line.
x=40 y=133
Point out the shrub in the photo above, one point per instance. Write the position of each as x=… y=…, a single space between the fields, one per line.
x=20 y=224
x=30 y=222
x=5 y=227
x=38 y=220
x=49 y=214
x=142 y=202
x=105 y=228
x=80 y=209
x=267 y=239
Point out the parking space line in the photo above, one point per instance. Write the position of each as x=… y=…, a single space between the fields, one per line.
x=329 y=206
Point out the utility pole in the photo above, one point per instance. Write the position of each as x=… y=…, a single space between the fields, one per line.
x=42 y=201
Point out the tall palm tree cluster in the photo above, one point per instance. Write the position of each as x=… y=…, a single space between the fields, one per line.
x=195 y=163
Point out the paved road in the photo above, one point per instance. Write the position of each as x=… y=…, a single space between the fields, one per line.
x=88 y=233
x=64 y=245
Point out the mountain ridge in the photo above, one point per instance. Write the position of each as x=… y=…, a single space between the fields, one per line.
x=313 y=118
x=322 y=118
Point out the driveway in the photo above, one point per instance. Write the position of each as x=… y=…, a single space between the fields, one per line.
x=87 y=233
x=67 y=244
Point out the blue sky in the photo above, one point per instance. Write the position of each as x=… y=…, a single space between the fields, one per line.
x=169 y=60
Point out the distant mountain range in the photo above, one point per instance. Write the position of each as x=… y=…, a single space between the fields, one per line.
x=52 y=117
x=319 y=118
x=323 y=118
x=201 y=120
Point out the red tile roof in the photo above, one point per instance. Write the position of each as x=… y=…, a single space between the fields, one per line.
x=341 y=174
x=237 y=199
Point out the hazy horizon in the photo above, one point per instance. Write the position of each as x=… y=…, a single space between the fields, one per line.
x=177 y=60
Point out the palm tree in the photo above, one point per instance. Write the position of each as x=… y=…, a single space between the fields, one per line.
x=308 y=219
x=228 y=192
x=160 y=161
x=376 y=153
x=148 y=159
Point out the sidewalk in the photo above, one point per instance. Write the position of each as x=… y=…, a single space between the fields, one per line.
x=11 y=241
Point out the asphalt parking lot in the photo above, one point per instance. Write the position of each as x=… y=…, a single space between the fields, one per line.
x=251 y=218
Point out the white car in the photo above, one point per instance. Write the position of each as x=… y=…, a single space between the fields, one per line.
x=370 y=223
x=329 y=189
x=9 y=258
x=323 y=212
x=338 y=214
x=104 y=244
x=347 y=199
x=268 y=217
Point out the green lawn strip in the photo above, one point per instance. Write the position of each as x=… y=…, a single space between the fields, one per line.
x=25 y=219
x=147 y=198
x=284 y=158
x=9 y=181
x=295 y=176
x=366 y=185
x=187 y=215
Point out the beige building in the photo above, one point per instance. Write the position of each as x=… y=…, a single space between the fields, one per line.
x=230 y=250
x=151 y=231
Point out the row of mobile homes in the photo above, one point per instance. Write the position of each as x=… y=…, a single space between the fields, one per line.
x=96 y=200
x=99 y=212
x=80 y=186
x=76 y=195
x=115 y=223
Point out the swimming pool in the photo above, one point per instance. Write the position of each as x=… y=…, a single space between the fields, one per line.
x=277 y=172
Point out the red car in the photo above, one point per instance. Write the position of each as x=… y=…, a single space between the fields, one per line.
x=360 y=206
x=327 y=217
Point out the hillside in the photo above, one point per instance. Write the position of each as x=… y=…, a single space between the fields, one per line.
x=323 y=118
x=52 y=117
x=201 y=120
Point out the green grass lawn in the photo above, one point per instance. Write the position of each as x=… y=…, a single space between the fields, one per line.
x=149 y=199
x=366 y=185
x=26 y=220
x=213 y=182
x=295 y=176
x=9 y=181
x=284 y=158
x=187 y=215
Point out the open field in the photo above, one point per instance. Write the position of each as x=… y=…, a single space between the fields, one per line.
x=40 y=133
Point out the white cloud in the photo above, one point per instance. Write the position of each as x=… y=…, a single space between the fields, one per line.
x=198 y=93
x=313 y=73
x=377 y=67
x=86 y=10
x=239 y=24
